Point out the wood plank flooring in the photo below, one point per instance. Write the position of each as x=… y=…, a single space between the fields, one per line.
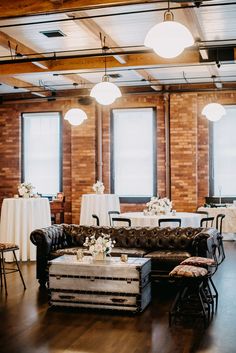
x=28 y=325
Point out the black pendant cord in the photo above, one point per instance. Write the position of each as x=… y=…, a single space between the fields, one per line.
x=104 y=51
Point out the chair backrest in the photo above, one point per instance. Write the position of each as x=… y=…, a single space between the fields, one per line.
x=97 y=219
x=111 y=213
x=219 y=221
x=203 y=212
x=207 y=222
x=121 y=219
x=169 y=220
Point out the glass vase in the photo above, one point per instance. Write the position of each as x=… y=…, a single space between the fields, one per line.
x=101 y=256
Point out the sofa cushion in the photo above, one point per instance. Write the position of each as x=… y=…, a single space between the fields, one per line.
x=174 y=256
x=188 y=271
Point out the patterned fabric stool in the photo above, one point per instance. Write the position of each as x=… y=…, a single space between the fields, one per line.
x=190 y=300
x=211 y=266
x=6 y=247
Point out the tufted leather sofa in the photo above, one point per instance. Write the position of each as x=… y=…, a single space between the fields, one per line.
x=166 y=247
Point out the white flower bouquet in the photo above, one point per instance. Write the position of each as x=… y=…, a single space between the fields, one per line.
x=157 y=205
x=98 y=187
x=102 y=245
x=25 y=189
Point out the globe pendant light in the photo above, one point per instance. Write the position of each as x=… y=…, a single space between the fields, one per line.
x=75 y=116
x=168 y=39
x=105 y=92
x=214 y=111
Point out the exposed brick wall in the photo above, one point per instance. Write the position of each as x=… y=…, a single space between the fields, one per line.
x=189 y=148
x=183 y=151
x=9 y=151
x=78 y=152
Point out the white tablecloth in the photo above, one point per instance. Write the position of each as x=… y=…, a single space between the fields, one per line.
x=19 y=217
x=229 y=222
x=98 y=204
x=138 y=219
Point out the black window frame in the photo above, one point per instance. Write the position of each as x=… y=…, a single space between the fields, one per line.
x=60 y=147
x=134 y=199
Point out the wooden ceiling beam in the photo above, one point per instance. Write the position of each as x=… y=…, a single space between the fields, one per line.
x=195 y=24
x=94 y=29
x=18 y=8
x=16 y=83
x=137 y=61
x=149 y=78
x=19 y=48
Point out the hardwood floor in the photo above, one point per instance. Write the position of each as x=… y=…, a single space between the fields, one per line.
x=28 y=325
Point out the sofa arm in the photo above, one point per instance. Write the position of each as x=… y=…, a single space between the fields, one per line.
x=47 y=240
x=200 y=240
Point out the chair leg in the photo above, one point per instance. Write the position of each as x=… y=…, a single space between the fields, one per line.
x=1 y=268
x=18 y=267
x=4 y=272
x=216 y=293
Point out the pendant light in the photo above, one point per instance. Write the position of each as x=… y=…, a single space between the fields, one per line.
x=168 y=39
x=105 y=92
x=214 y=111
x=75 y=116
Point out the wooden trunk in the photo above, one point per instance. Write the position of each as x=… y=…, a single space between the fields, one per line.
x=109 y=284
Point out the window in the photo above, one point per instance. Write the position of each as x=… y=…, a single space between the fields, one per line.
x=41 y=162
x=223 y=155
x=133 y=157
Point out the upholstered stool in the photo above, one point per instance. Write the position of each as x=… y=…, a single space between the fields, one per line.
x=211 y=266
x=190 y=300
x=7 y=247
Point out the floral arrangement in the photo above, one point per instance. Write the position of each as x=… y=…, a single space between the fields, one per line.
x=98 y=187
x=25 y=189
x=103 y=244
x=158 y=205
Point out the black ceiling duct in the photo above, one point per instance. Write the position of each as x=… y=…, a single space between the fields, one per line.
x=220 y=54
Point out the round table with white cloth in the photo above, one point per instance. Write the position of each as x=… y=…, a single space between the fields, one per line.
x=138 y=219
x=229 y=222
x=19 y=217
x=98 y=204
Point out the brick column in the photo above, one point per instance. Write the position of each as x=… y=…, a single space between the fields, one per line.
x=183 y=151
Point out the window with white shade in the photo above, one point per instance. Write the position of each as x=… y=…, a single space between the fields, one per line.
x=41 y=151
x=133 y=157
x=223 y=155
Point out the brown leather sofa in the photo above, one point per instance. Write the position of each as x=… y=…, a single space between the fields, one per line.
x=166 y=247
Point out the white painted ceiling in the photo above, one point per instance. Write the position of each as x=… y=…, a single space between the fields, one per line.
x=206 y=23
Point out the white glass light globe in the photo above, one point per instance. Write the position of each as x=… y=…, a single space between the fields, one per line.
x=168 y=39
x=75 y=116
x=214 y=111
x=105 y=92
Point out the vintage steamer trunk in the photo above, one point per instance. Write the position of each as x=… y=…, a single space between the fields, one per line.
x=108 y=284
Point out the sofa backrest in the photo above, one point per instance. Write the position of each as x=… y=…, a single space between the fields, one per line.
x=137 y=237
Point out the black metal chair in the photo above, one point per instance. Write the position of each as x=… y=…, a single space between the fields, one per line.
x=169 y=220
x=207 y=222
x=4 y=248
x=197 y=295
x=121 y=219
x=97 y=219
x=203 y=213
x=219 y=224
x=110 y=213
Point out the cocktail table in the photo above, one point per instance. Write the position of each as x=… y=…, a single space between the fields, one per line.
x=108 y=284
